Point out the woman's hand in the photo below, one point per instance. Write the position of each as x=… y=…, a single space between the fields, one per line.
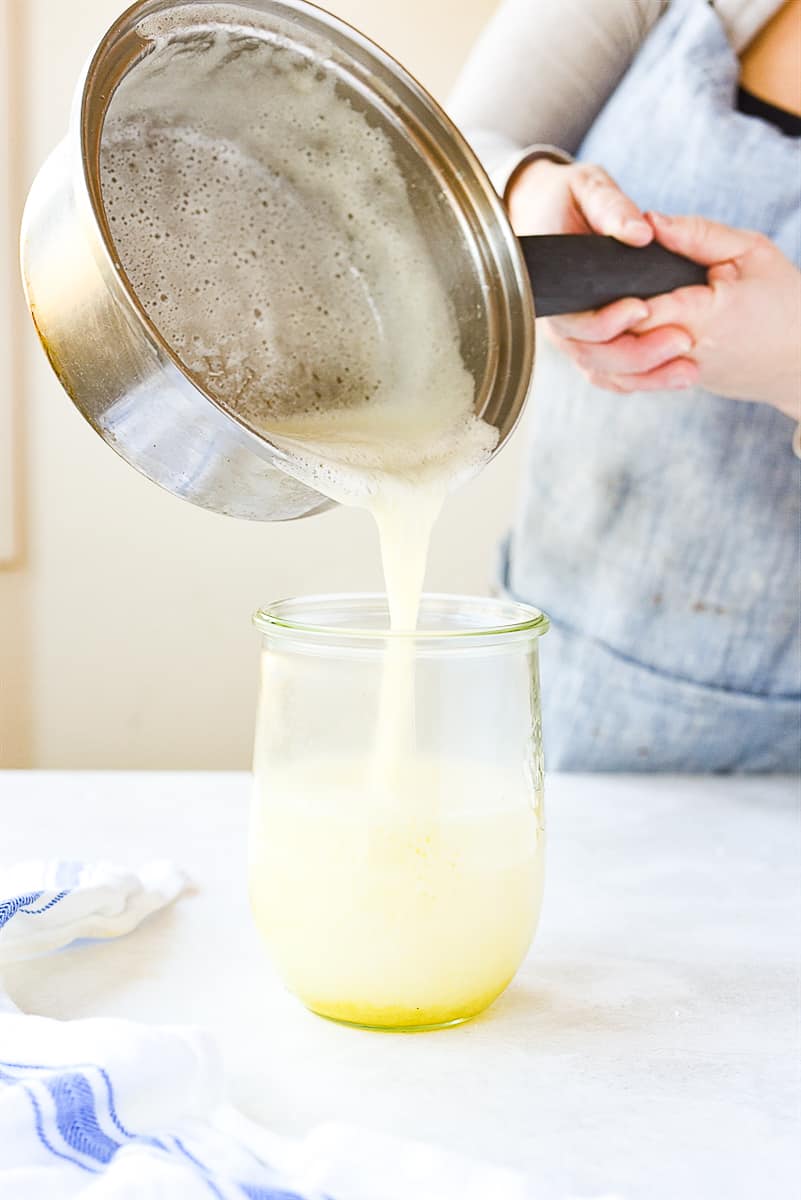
x=549 y=197
x=745 y=325
x=737 y=337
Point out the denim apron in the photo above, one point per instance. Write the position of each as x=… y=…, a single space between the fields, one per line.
x=660 y=532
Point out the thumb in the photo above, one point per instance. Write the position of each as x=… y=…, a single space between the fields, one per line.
x=706 y=242
x=607 y=209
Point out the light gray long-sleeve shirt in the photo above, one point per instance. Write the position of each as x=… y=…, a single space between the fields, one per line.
x=543 y=69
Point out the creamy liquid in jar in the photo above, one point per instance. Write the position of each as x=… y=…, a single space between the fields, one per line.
x=414 y=921
x=269 y=234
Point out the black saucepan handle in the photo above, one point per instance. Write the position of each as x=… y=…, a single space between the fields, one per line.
x=573 y=272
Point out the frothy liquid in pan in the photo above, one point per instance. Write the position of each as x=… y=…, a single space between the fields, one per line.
x=268 y=231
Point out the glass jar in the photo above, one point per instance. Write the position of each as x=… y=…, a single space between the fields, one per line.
x=397 y=834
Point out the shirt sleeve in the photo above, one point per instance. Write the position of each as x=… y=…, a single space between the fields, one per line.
x=541 y=72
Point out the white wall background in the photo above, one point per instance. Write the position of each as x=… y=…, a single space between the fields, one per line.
x=125 y=637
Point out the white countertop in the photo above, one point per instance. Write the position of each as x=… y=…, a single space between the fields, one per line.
x=648 y=1048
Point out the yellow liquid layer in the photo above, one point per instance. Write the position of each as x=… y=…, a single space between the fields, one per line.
x=396 y=911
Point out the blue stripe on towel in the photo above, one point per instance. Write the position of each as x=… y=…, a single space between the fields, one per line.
x=10 y=908
x=76 y=1117
x=35 y=912
x=112 y=1109
x=37 y=1116
x=256 y=1192
x=207 y=1175
x=77 y=1104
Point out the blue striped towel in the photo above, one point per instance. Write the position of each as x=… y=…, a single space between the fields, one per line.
x=111 y=1110
x=45 y=905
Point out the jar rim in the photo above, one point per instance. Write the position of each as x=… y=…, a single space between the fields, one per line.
x=513 y=621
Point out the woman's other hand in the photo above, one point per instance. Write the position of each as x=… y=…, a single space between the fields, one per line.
x=548 y=197
x=746 y=324
x=738 y=336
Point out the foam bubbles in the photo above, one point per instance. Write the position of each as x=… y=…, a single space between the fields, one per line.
x=270 y=237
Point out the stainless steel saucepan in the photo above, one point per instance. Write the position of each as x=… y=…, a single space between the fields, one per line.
x=118 y=368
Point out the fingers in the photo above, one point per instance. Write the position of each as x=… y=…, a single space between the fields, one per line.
x=602 y=324
x=706 y=242
x=674 y=376
x=628 y=354
x=607 y=209
x=687 y=307
x=727 y=272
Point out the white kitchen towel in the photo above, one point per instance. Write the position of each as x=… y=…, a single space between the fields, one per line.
x=111 y=1110
x=46 y=905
